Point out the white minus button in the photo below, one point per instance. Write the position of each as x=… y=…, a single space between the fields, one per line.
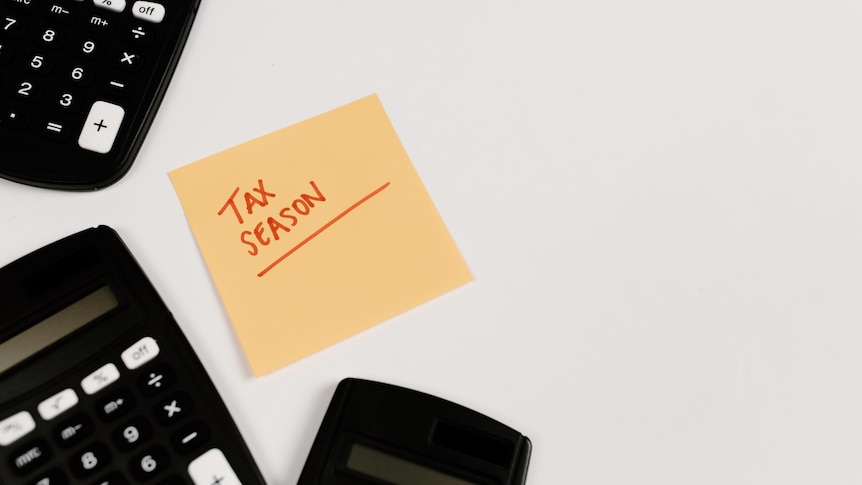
x=101 y=128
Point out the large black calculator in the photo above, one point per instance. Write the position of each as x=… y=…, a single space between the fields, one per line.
x=80 y=84
x=99 y=385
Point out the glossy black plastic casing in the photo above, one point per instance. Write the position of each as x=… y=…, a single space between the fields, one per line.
x=407 y=424
x=28 y=157
x=51 y=278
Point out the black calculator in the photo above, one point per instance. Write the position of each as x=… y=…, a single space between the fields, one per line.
x=99 y=385
x=376 y=433
x=80 y=84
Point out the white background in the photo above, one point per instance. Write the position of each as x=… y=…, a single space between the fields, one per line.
x=660 y=202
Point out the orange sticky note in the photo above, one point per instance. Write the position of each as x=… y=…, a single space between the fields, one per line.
x=316 y=232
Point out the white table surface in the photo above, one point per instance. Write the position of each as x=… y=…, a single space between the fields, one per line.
x=661 y=203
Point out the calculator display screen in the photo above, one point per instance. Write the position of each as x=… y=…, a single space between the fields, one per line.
x=392 y=469
x=52 y=329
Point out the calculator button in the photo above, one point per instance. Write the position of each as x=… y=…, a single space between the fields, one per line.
x=100 y=379
x=149 y=463
x=112 y=5
x=149 y=11
x=57 y=404
x=117 y=87
x=79 y=76
x=140 y=353
x=55 y=130
x=190 y=437
x=15 y=427
x=40 y=64
x=68 y=102
x=12 y=26
x=115 y=478
x=132 y=434
x=90 y=460
x=30 y=457
x=156 y=380
x=51 y=37
x=173 y=408
x=51 y=477
x=88 y=48
x=58 y=12
x=212 y=468
x=27 y=90
x=99 y=24
x=129 y=61
x=115 y=405
x=73 y=430
x=101 y=128
x=140 y=35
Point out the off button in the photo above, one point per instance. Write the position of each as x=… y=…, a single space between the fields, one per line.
x=149 y=11
x=140 y=353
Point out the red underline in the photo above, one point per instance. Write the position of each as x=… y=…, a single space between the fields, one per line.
x=325 y=227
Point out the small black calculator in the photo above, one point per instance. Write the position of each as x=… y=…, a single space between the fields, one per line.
x=380 y=434
x=99 y=385
x=80 y=84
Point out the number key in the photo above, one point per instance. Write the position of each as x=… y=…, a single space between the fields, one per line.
x=88 y=48
x=14 y=119
x=51 y=38
x=27 y=90
x=112 y=5
x=69 y=102
x=90 y=460
x=113 y=478
x=149 y=463
x=80 y=76
x=40 y=64
x=12 y=26
x=132 y=433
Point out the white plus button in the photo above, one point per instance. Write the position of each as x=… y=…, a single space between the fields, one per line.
x=101 y=128
x=212 y=468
